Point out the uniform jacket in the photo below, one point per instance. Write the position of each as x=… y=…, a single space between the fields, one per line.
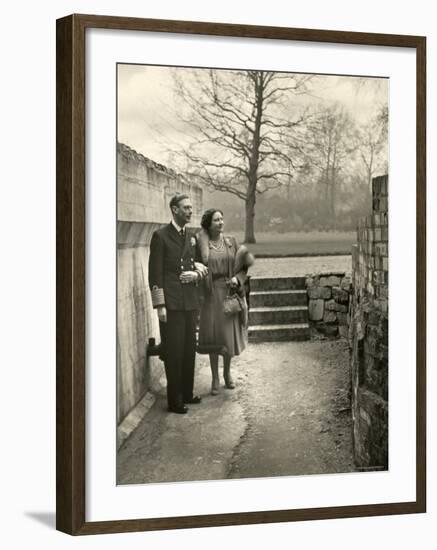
x=169 y=256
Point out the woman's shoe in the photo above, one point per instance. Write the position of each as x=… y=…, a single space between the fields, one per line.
x=229 y=383
x=215 y=387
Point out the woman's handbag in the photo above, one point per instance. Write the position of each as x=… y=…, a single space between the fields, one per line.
x=232 y=304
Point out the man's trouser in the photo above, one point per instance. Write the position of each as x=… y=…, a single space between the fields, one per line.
x=178 y=337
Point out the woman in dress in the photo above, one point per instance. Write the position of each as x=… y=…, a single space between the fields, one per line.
x=222 y=333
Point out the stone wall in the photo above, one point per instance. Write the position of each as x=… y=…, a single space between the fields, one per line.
x=144 y=189
x=328 y=302
x=369 y=333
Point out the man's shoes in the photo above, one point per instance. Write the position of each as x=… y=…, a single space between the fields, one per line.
x=178 y=410
x=195 y=400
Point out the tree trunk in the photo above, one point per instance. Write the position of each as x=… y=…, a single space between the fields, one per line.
x=332 y=212
x=249 y=234
x=332 y=194
x=328 y=180
x=327 y=195
x=370 y=170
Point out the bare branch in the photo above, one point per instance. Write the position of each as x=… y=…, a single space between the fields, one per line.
x=247 y=137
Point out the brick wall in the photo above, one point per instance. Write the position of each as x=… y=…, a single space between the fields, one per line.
x=144 y=189
x=369 y=333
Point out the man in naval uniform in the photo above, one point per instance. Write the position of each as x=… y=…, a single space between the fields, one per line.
x=174 y=274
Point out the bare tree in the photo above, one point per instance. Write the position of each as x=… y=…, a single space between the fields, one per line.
x=330 y=148
x=372 y=145
x=244 y=129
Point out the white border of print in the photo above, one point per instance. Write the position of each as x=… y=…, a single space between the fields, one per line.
x=105 y=500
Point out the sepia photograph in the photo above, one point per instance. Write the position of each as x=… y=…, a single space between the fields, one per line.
x=252 y=274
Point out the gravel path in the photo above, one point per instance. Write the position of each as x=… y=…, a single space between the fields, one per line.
x=289 y=415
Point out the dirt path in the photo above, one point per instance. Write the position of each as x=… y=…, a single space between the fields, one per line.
x=289 y=415
x=297 y=412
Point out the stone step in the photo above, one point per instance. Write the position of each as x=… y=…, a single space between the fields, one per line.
x=277 y=283
x=276 y=333
x=271 y=298
x=278 y=315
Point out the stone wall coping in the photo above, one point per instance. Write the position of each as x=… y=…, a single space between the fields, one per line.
x=128 y=152
x=329 y=274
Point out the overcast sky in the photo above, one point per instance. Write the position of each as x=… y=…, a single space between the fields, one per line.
x=147 y=109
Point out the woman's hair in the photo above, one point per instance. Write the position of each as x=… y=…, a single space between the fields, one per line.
x=207 y=217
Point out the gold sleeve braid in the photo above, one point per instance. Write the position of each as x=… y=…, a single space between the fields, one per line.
x=158 y=297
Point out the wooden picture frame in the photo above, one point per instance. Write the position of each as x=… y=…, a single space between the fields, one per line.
x=71 y=283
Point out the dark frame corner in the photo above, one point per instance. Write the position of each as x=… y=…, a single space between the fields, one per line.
x=70 y=273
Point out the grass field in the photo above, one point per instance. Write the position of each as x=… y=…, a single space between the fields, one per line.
x=301 y=244
x=299 y=266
